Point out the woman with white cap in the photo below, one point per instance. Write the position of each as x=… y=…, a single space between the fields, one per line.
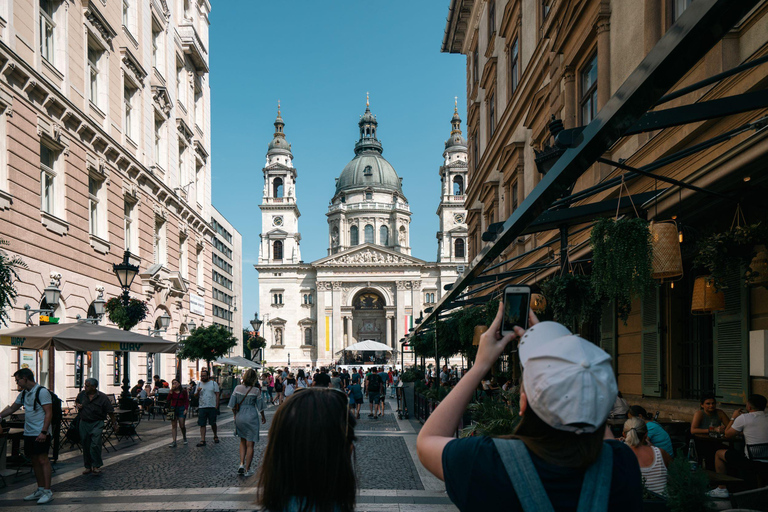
x=557 y=459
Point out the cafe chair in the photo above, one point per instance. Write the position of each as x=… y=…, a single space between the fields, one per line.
x=106 y=434
x=127 y=428
x=759 y=452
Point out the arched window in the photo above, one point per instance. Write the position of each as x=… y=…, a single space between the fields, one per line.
x=368 y=234
x=458 y=186
x=384 y=235
x=308 y=336
x=277 y=187
x=277 y=250
x=368 y=195
x=354 y=237
x=458 y=248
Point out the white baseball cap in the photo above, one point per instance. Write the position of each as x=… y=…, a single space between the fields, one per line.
x=569 y=382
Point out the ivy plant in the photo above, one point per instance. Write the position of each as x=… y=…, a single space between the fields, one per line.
x=126 y=317
x=622 y=261
x=571 y=298
x=722 y=252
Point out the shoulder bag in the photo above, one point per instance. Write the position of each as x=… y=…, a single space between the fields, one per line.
x=236 y=408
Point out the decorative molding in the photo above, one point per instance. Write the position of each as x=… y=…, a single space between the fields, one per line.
x=162 y=99
x=323 y=285
x=369 y=256
x=133 y=65
x=99 y=22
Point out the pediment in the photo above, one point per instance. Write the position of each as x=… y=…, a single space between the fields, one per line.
x=277 y=320
x=369 y=254
x=459 y=229
x=277 y=233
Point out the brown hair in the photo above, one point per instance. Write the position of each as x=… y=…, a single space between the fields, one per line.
x=305 y=418
x=250 y=378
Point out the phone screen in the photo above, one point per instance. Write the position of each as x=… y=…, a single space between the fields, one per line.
x=515 y=310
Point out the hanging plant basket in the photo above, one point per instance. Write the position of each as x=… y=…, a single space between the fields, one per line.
x=622 y=261
x=571 y=298
x=737 y=247
x=706 y=298
x=667 y=258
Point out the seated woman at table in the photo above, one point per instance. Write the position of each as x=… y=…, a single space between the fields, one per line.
x=144 y=399
x=709 y=416
x=652 y=459
x=656 y=433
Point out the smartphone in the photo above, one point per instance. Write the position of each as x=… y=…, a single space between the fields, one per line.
x=517 y=301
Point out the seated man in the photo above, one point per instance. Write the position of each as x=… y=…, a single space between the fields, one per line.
x=754 y=425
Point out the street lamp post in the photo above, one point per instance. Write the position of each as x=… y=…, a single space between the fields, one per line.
x=126 y=273
x=52 y=295
x=256 y=324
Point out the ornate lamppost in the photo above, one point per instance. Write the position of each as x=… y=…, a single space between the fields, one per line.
x=256 y=324
x=126 y=273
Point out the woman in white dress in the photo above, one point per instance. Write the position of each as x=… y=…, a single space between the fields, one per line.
x=246 y=404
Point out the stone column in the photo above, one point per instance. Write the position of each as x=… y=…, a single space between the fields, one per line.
x=321 y=288
x=400 y=310
x=348 y=323
x=603 y=26
x=569 y=101
x=652 y=20
x=416 y=299
x=388 y=330
x=336 y=338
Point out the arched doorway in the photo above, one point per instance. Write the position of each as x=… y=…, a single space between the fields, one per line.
x=368 y=317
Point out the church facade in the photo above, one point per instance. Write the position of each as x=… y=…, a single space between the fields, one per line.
x=369 y=286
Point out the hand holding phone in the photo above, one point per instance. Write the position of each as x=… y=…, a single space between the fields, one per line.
x=517 y=300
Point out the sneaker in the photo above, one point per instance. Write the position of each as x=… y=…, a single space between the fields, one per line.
x=185 y=441
x=370 y=415
x=35 y=495
x=47 y=497
x=249 y=473
x=717 y=492
x=241 y=469
x=172 y=445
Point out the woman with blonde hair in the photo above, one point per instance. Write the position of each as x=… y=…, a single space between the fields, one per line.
x=246 y=404
x=653 y=460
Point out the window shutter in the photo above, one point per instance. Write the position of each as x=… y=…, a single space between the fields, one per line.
x=608 y=330
x=731 y=333
x=651 y=343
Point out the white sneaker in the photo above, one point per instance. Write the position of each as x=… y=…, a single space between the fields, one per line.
x=241 y=469
x=47 y=497
x=248 y=473
x=717 y=492
x=34 y=496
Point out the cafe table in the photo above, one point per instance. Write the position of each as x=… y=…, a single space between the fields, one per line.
x=707 y=446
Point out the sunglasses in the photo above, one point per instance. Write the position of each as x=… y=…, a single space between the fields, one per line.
x=334 y=392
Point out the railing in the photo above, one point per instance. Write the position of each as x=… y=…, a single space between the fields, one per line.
x=369 y=206
x=279 y=200
x=423 y=407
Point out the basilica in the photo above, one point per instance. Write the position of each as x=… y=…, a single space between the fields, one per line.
x=369 y=286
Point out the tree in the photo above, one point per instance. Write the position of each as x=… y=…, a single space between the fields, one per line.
x=126 y=317
x=207 y=343
x=8 y=275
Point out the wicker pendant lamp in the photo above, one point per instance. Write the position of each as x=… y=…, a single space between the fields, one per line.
x=705 y=299
x=538 y=303
x=667 y=259
x=479 y=330
x=759 y=267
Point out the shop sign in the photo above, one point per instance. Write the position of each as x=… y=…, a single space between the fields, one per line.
x=196 y=304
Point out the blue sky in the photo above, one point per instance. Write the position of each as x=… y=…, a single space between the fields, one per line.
x=319 y=59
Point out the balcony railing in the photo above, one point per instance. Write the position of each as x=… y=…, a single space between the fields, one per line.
x=369 y=206
x=279 y=200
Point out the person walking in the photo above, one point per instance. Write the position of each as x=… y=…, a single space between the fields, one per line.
x=178 y=402
x=355 y=393
x=208 y=394
x=265 y=392
x=94 y=408
x=373 y=389
x=37 y=402
x=395 y=380
x=290 y=385
x=383 y=376
x=312 y=421
x=559 y=457
x=247 y=403
x=301 y=380
x=336 y=381
x=279 y=389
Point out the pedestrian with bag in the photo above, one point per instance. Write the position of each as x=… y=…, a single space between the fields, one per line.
x=207 y=392
x=247 y=403
x=38 y=409
x=373 y=388
x=560 y=457
x=94 y=408
x=301 y=379
x=279 y=391
x=178 y=405
x=290 y=385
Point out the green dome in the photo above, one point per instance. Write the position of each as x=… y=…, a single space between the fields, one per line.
x=369 y=169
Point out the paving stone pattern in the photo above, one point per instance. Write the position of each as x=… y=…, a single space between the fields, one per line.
x=384 y=463
x=386 y=423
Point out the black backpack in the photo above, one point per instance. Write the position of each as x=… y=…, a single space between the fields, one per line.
x=55 y=404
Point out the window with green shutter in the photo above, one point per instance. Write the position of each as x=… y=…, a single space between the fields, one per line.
x=608 y=330
x=731 y=335
x=651 y=343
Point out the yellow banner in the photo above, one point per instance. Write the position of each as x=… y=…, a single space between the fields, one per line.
x=13 y=341
x=327 y=333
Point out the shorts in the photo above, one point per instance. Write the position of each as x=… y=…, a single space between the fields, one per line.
x=181 y=411
x=373 y=398
x=382 y=397
x=32 y=447
x=207 y=413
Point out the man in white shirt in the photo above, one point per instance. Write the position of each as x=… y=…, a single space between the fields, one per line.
x=754 y=426
x=208 y=393
x=37 y=430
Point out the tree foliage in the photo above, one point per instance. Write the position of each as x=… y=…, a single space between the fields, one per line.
x=571 y=298
x=124 y=317
x=207 y=344
x=8 y=275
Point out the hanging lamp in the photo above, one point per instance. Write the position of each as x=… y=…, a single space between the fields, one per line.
x=758 y=268
x=706 y=299
x=538 y=303
x=667 y=258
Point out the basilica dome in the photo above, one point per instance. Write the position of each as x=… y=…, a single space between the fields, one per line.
x=368 y=168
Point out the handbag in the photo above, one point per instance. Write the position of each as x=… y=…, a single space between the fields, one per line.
x=170 y=414
x=236 y=408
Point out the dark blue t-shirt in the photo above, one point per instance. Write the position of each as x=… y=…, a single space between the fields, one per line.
x=476 y=479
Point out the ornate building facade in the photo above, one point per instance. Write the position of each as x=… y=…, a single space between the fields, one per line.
x=369 y=286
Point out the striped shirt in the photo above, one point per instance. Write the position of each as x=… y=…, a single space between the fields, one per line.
x=655 y=475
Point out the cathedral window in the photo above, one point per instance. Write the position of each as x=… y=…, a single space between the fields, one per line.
x=354 y=237
x=369 y=234
x=277 y=251
x=277 y=298
x=458 y=186
x=367 y=171
x=307 y=299
x=368 y=195
x=308 y=336
x=384 y=235
x=458 y=248
x=277 y=187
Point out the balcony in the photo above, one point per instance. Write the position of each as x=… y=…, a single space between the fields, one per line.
x=343 y=207
x=279 y=200
x=193 y=46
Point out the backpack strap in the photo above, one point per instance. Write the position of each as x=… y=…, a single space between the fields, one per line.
x=525 y=479
x=37 y=398
x=596 y=488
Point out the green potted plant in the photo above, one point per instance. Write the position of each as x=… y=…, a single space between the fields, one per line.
x=493 y=417
x=686 y=489
x=571 y=298
x=622 y=261
x=734 y=249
